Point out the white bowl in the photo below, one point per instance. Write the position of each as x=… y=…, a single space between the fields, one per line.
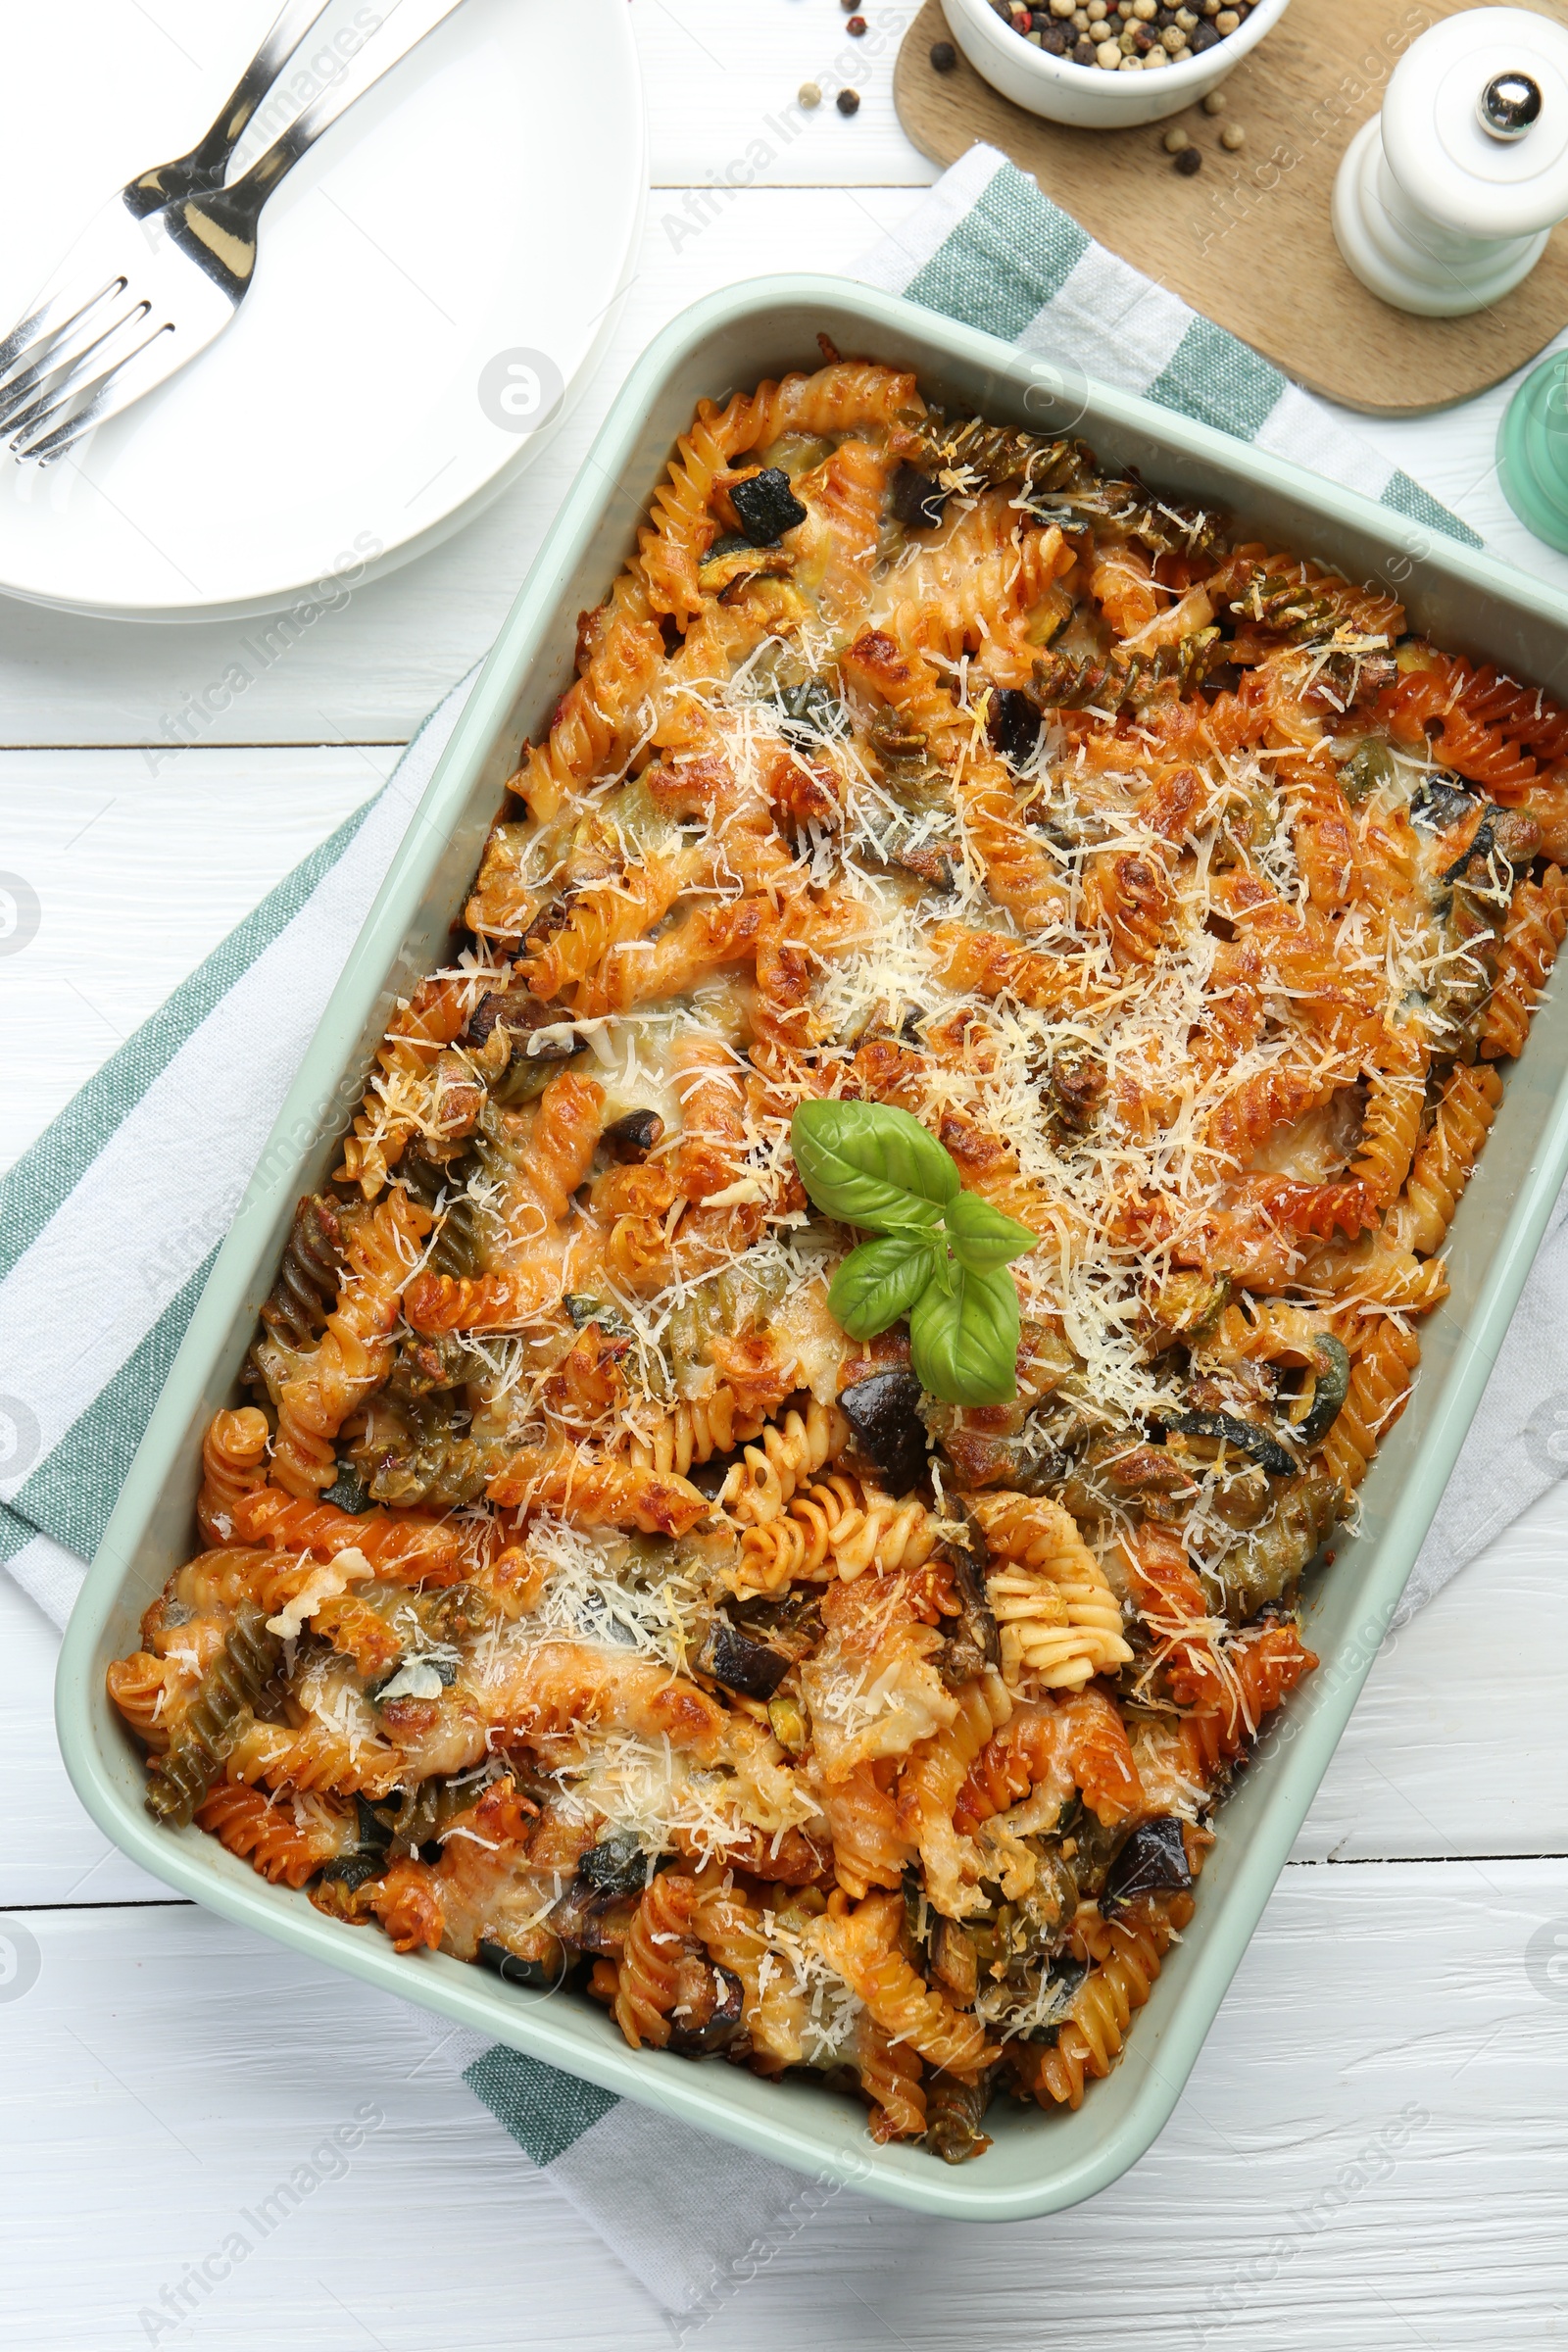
x=1084 y=96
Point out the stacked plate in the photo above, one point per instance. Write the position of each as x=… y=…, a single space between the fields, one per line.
x=436 y=280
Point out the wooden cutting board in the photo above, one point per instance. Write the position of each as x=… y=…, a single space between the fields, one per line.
x=1247 y=239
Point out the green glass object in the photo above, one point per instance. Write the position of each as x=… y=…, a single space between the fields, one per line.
x=1533 y=452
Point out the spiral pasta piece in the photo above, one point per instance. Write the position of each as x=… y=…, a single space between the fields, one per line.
x=1060 y=1623
x=602 y=914
x=1531 y=938
x=1020 y=872
x=398 y=1544
x=1446 y=1157
x=356 y=1351
x=313 y=1758
x=839 y=1527
x=287 y=1842
x=732 y=1932
x=597 y=1494
x=396 y=1098
x=233 y=1464
x=928 y=1793
x=1094 y=2030
x=597 y=722
x=863 y=1947
x=1320 y=827
x=845 y=493
x=993 y=964
x=694 y=1431
x=791 y=1451
x=645 y=1991
x=1380 y=1379
x=868 y=1848
x=1431 y=705
x=1395 y=1101
x=890 y=2074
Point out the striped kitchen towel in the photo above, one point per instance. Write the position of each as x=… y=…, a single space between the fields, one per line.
x=110 y=1222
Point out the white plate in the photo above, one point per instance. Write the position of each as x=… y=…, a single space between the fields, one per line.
x=482 y=205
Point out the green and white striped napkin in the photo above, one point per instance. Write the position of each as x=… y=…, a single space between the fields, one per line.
x=110 y=1223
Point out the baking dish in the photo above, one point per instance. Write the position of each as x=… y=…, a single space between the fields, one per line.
x=1040 y=2161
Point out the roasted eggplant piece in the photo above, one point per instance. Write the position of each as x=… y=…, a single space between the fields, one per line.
x=1331 y=1363
x=512 y=1969
x=618 y=1865
x=767 y=505
x=1439 y=803
x=1013 y=724
x=1276 y=1551
x=633 y=1137
x=972 y=1642
x=811 y=710
x=732 y=560
x=916 y=499
x=348 y=1490
x=710 y=2010
x=754 y=1667
x=366 y=1858
x=1369 y=768
x=584 y=1308
x=1246 y=1435
x=884 y=1412
x=1153 y=1861
x=953 y=1960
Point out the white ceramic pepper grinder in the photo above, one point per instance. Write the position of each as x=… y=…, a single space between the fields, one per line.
x=1444 y=201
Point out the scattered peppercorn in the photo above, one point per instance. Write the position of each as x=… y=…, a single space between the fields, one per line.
x=857 y=25
x=848 y=102
x=1214 y=103
x=1188 y=161
x=809 y=94
x=1175 y=141
x=944 y=57
x=1233 y=138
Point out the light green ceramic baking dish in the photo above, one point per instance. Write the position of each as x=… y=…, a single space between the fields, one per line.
x=1040 y=2162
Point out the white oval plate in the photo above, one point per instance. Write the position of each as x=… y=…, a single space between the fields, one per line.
x=476 y=211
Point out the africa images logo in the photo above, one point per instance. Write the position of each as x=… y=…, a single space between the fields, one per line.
x=521 y=390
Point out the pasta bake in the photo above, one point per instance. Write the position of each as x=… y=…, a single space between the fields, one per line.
x=775 y=1487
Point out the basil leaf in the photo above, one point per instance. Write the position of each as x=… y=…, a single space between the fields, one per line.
x=869 y=1164
x=964 y=1347
x=982 y=1237
x=879 y=1283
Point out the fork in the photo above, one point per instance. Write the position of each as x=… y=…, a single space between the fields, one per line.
x=145 y=290
x=83 y=281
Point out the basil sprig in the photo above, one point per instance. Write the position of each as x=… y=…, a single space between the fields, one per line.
x=942 y=1256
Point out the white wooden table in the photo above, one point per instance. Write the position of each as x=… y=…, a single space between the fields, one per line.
x=164 y=2070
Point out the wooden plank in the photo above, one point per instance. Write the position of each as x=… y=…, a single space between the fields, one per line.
x=1247 y=240
x=1454 y=1747
x=1371 y=2152
x=141 y=862
x=721 y=83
